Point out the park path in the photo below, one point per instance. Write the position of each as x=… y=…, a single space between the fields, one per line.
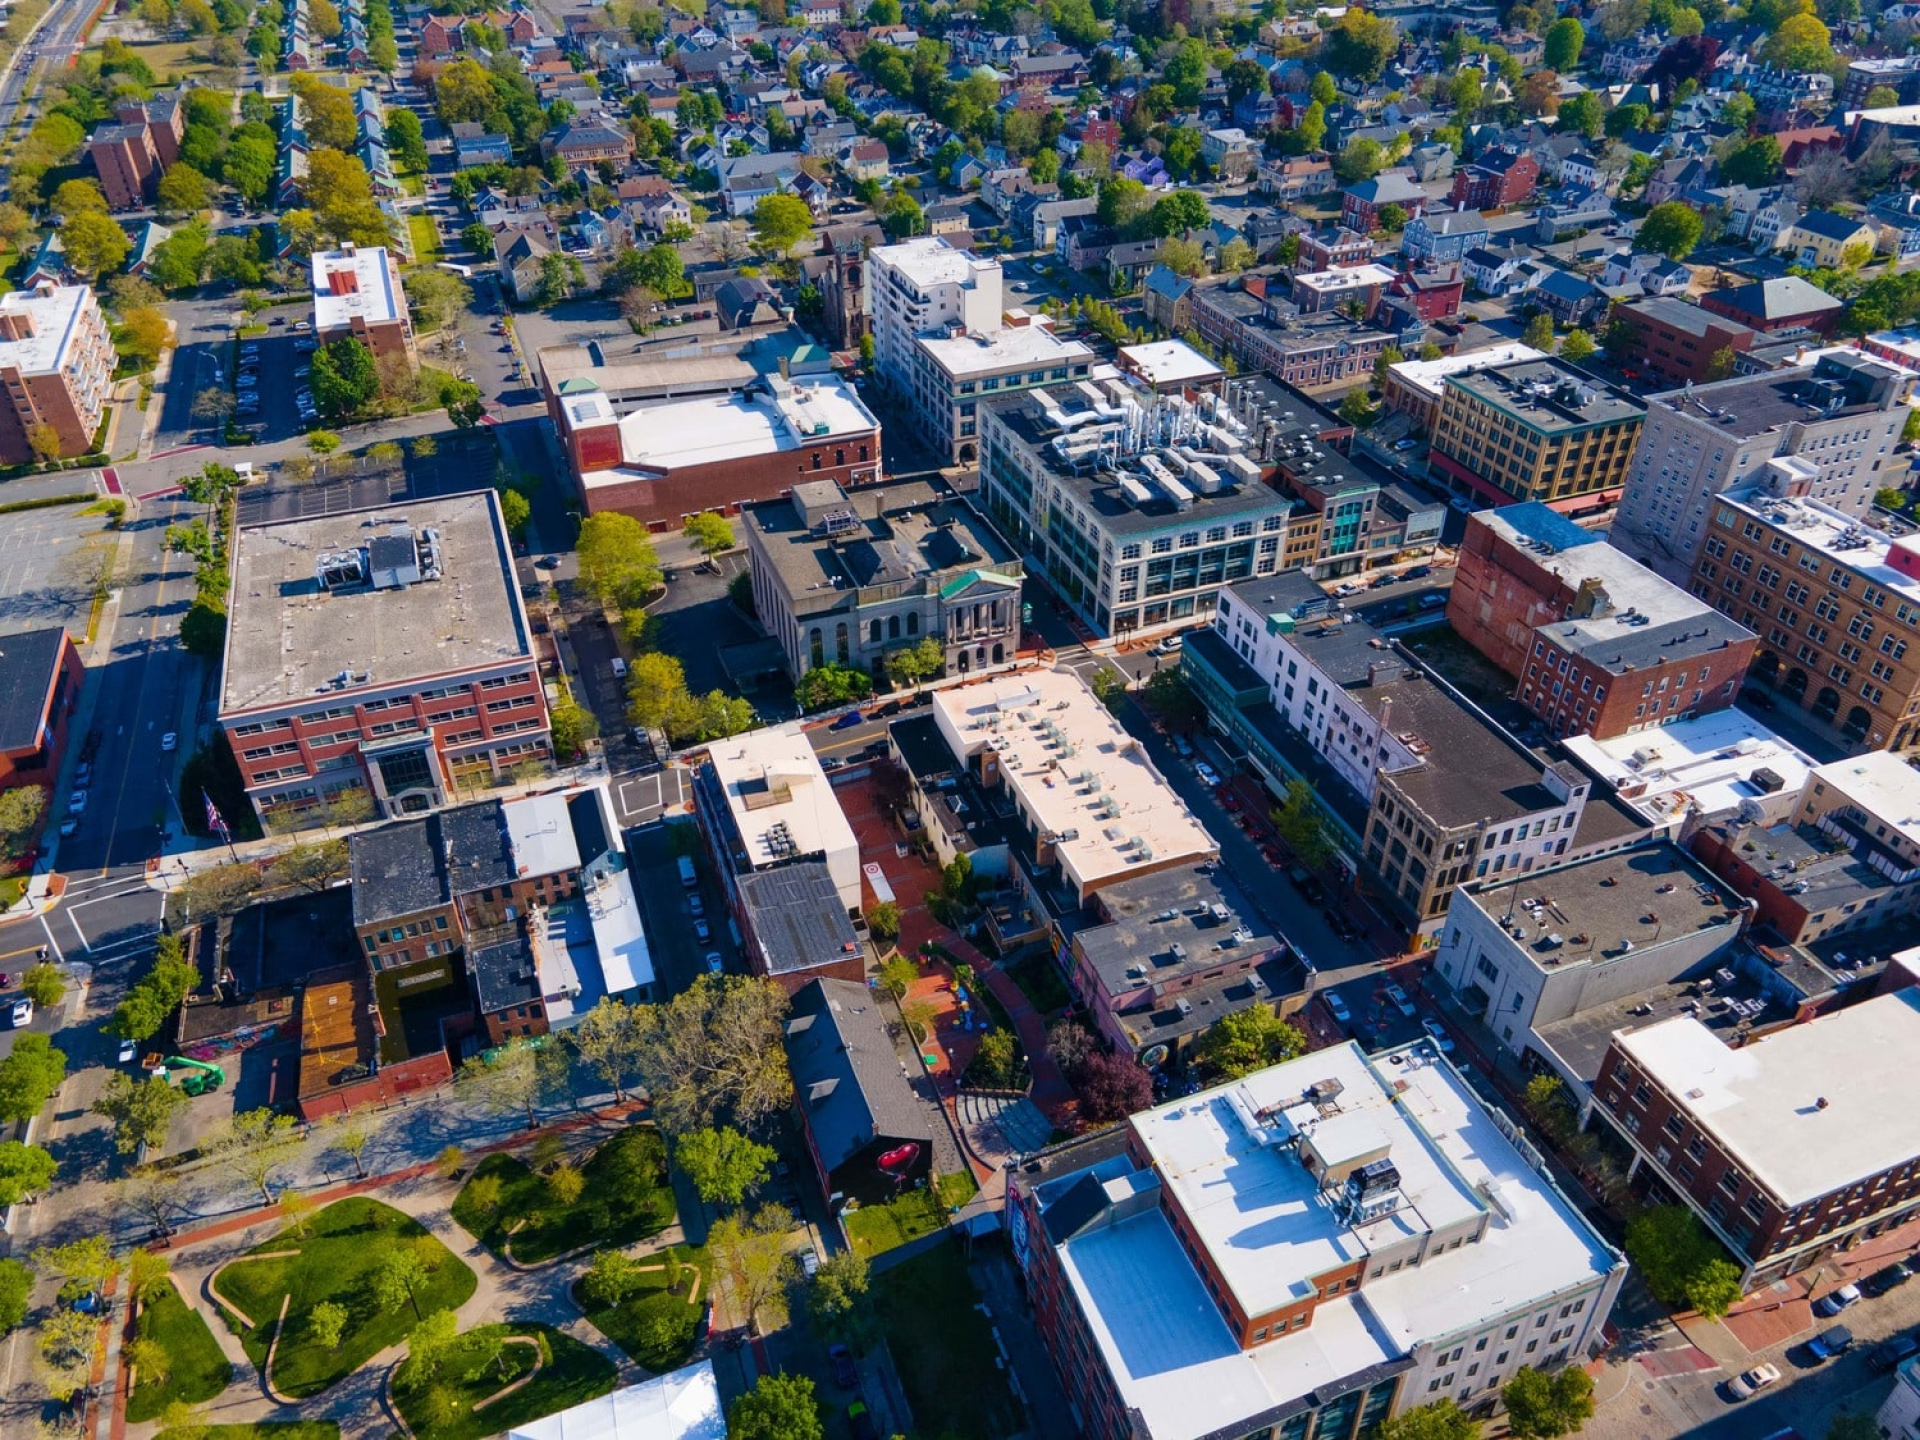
x=542 y=1295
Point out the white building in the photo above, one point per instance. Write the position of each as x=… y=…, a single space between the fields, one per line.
x=1840 y=418
x=1724 y=765
x=942 y=338
x=783 y=807
x=357 y=292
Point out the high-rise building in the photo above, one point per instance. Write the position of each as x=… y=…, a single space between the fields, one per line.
x=56 y=370
x=1538 y=430
x=1839 y=417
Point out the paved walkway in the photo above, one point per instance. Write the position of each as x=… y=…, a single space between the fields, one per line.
x=541 y=1295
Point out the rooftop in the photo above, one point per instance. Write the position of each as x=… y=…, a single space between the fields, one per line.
x=846 y=1074
x=398 y=870
x=29 y=666
x=1715 y=762
x=1593 y=911
x=779 y=797
x=1549 y=396
x=1837 y=386
x=1682 y=315
x=1881 y=784
x=1345 y=277
x=1339 y=643
x=355 y=283
x=1426 y=376
x=1226 y=1157
x=928 y=260
x=53 y=315
x=1638 y=618
x=1173 y=923
x=1807 y=1110
x=1789 y=296
x=775 y=416
x=987 y=352
x=1840 y=537
x=1169 y=362
x=683 y=1404
x=293 y=640
x=1470 y=769
x=798 y=916
x=1076 y=774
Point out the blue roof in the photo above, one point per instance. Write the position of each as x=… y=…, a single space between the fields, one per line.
x=1532 y=520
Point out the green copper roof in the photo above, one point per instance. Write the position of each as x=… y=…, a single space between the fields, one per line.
x=960 y=582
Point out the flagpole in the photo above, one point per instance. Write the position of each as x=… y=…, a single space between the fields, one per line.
x=217 y=823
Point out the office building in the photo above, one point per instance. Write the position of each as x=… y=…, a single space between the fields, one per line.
x=1598 y=644
x=845 y=578
x=1140 y=506
x=1787 y=305
x=664 y=462
x=1788 y=1148
x=40 y=679
x=56 y=368
x=1266 y=332
x=1839 y=418
x=384 y=650
x=1676 y=342
x=1307 y=1251
x=1538 y=430
x=944 y=342
x=1414 y=387
x=1088 y=799
x=1525 y=953
x=1835 y=602
x=357 y=292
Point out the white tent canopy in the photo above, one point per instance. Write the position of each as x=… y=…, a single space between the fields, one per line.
x=683 y=1405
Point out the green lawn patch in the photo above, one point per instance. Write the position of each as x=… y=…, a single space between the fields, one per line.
x=440 y=1406
x=626 y=1198
x=345 y=1244
x=173 y=60
x=12 y=887
x=947 y=1366
x=657 y=1325
x=1040 y=981
x=433 y=383
x=875 y=1229
x=260 y=1430
x=197 y=1369
x=426 y=239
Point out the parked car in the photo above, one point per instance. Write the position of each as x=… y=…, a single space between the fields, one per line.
x=1170 y=645
x=696 y=905
x=1740 y=1387
x=77 y=803
x=1341 y=926
x=127 y=1051
x=82 y=775
x=1183 y=747
x=1886 y=1278
x=847 y=721
x=1418 y=572
x=1208 y=775
x=1836 y=1340
x=1433 y=601
x=22 y=1013
x=810 y=1262
x=845 y=1373
x=1834 y=1301
x=1337 y=1007
x=714 y=965
x=702 y=931
x=1401 y=1001
x=169 y=742
x=1889 y=1353
x=1310 y=888
x=1441 y=1040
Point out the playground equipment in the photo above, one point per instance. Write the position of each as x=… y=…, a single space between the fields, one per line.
x=194 y=1077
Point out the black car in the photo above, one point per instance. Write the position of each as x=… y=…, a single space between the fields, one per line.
x=1341 y=926
x=1418 y=572
x=1889 y=1353
x=1311 y=890
x=1886 y=1278
x=845 y=1375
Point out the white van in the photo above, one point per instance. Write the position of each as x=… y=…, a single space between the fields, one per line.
x=688 y=878
x=619 y=668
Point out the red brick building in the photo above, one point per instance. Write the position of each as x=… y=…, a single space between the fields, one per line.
x=1676 y=341
x=1499 y=178
x=40 y=679
x=1599 y=645
x=1788 y=303
x=1432 y=294
x=56 y=371
x=1332 y=247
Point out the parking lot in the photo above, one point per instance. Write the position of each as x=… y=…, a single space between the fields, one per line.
x=673 y=930
x=463 y=461
x=268 y=381
x=49 y=561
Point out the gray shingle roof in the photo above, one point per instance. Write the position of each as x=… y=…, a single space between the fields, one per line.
x=846 y=1074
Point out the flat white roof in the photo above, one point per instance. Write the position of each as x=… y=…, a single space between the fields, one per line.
x=1268 y=1230
x=681 y=1405
x=772 y=778
x=1839 y=536
x=541 y=834
x=708 y=429
x=1806 y=1110
x=1708 y=762
x=1426 y=375
x=1164 y=362
x=1074 y=771
x=355 y=284
x=1345 y=277
x=1882 y=784
x=1031 y=344
x=929 y=260
x=56 y=318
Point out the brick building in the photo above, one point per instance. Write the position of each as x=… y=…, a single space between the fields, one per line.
x=382 y=650
x=56 y=371
x=1330 y=248
x=1768 y=306
x=40 y=679
x=1499 y=178
x=357 y=292
x=132 y=151
x=1537 y=430
x=1679 y=342
x=1599 y=644
x=1794 y=1146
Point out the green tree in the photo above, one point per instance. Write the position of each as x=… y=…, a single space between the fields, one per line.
x=1754 y=162
x=463 y=403
x=1854 y=1425
x=1578 y=345
x=31 y=1074
x=1441 y=1420
x=920 y=661
x=883 y=921
x=617 y=560
x=16 y=1289
x=897 y=975
x=1582 y=115
x=836 y=1295
x=1299 y=823
x=656 y=688
x=1539 y=333
x=709 y=532
x=1542 y=1406
x=24 y=1170
x=1360 y=159
x=1564 y=41
x=1801 y=43
x=1186 y=71
x=515 y=512
x=826 y=686
x=1356 y=409
x=182 y=190
x=781 y=222
x=1714 y=1288
x=142 y=1111
x=723 y=1164
x=573 y=725
x=713 y=1053
x=398 y=1279
x=327 y=1322
x=1359 y=45
x=1247 y=1040
x=405 y=141
x=344 y=379
x=151 y=1000
x=780 y=1406
x=1671 y=1250
x=254 y=1144
x=21 y=810
x=94 y=244
x=1882 y=97
x=513 y=1079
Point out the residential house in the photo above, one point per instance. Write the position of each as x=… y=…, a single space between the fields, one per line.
x=1571 y=300
x=1820 y=239
x=1443 y=239
x=1498 y=179
x=1332 y=247
x=1570 y=210
x=1491 y=271
x=1297 y=177
x=1164 y=300
x=1231 y=152
x=474 y=146
x=1361 y=207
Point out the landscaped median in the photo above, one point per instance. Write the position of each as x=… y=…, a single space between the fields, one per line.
x=651 y=1306
x=380 y=1267
x=527 y=1218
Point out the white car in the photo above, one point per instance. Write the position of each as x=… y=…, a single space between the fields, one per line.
x=1336 y=1007
x=1442 y=1042
x=169 y=742
x=22 y=1013
x=1208 y=775
x=713 y=962
x=77 y=803
x=1401 y=1000
x=1740 y=1387
x=127 y=1049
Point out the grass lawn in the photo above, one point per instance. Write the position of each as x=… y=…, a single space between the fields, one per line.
x=173 y=59
x=943 y=1348
x=626 y=1198
x=440 y=1406
x=433 y=381
x=878 y=1228
x=12 y=887
x=261 y=1430
x=426 y=239
x=1040 y=981
x=198 y=1370
x=345 y=1244
x=656 y=1326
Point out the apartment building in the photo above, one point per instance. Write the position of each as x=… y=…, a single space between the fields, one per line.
x=1789 y=1148
x=1414 y=387
x=383 y=649
x=357 y=292
x=1598 y=644
x=1675 y=341
x=133 y=150
x=1306 y=1251
x=944 y=343
x=1311 y=352
x=1835 y=602
x=1538 y=430
x=41 y=675
x=846 y=579
x=1839 y=418
x=1138 y=505
x=56 y=369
